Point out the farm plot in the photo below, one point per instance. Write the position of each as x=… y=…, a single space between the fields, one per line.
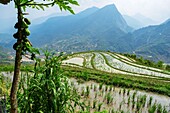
x=75 y=60
x=123 y=57
x=114 y=63
x=130 y=68
x=86 y=62
x=99 y=97
x=132 y=62
x=99 y=63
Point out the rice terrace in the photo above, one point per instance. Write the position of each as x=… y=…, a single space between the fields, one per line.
x=117 y=82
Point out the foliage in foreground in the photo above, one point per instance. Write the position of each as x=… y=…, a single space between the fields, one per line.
x=5 y=85
x=47 y=90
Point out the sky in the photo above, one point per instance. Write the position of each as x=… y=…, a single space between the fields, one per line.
x=157 y=10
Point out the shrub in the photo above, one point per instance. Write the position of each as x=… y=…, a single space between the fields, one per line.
x=47 y=90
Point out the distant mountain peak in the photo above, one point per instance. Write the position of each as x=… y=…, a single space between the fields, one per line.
x=167 y=21
x=88 y=11
x=94 y=7
x=109 y=16
x=110 y=7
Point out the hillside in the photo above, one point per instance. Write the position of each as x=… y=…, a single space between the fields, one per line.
x=152 y=42
x=6 y=40
x=134 y=23
x=92 y=29
x=100 y=29
x=3 y=53
x=114 y=63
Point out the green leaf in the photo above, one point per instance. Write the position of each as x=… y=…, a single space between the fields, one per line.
x=34 y=50
x=23 y=1
x=75 y=2
x=37 y=8
x=41 y=6
x=70 y=9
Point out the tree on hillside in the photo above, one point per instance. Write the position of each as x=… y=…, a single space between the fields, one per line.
x=23 y=45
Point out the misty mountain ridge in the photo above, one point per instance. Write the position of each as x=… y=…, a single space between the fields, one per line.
x=102 y=29
x=152 y=42
x=91 y=23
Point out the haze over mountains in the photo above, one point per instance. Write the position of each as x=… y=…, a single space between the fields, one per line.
x=152 y=41
x=95 y=25
x=103 y=29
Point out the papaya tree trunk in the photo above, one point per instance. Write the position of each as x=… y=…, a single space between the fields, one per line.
x=18 y=57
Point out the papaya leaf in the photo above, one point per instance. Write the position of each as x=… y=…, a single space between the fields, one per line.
x=34 y=50
x=41 y=7
x=24 y=8
x=23 y=1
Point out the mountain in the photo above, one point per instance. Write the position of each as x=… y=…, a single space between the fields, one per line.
x=44 y=18
x=145 y=21
x=134 y=23
x=138 y=21
x=153 y=42
x=6 y=40
x=57 y=28
x=100 y=29
x=92 y=29
x=3 y=53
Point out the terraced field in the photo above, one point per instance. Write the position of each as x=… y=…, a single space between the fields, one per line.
x=125 y=77
x=114 y=83
x=114 y=63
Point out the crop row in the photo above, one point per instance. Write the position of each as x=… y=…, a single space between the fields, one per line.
x=115 y=63
x=100 y=97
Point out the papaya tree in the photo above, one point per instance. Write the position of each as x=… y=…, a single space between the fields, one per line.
x=23 y=45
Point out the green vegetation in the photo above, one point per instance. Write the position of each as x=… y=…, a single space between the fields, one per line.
x=23 y=45
x=10 y=67
x=146 y=62
x=47 y=90
x=113 y=101
x=5 y=85
x=142 y=63
x=48 y=77
x=123 y=66
x=128 y=81
x=3 y=54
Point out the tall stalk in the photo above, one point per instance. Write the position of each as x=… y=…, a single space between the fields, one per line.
x=14 y=89
x=23 y=44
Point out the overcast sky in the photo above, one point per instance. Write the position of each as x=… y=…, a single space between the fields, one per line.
x=158 y=10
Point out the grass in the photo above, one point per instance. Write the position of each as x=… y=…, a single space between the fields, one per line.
x=24 y=67
x=161 y=85
x=113 y=101
x=127 y=81
x=92 y=61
